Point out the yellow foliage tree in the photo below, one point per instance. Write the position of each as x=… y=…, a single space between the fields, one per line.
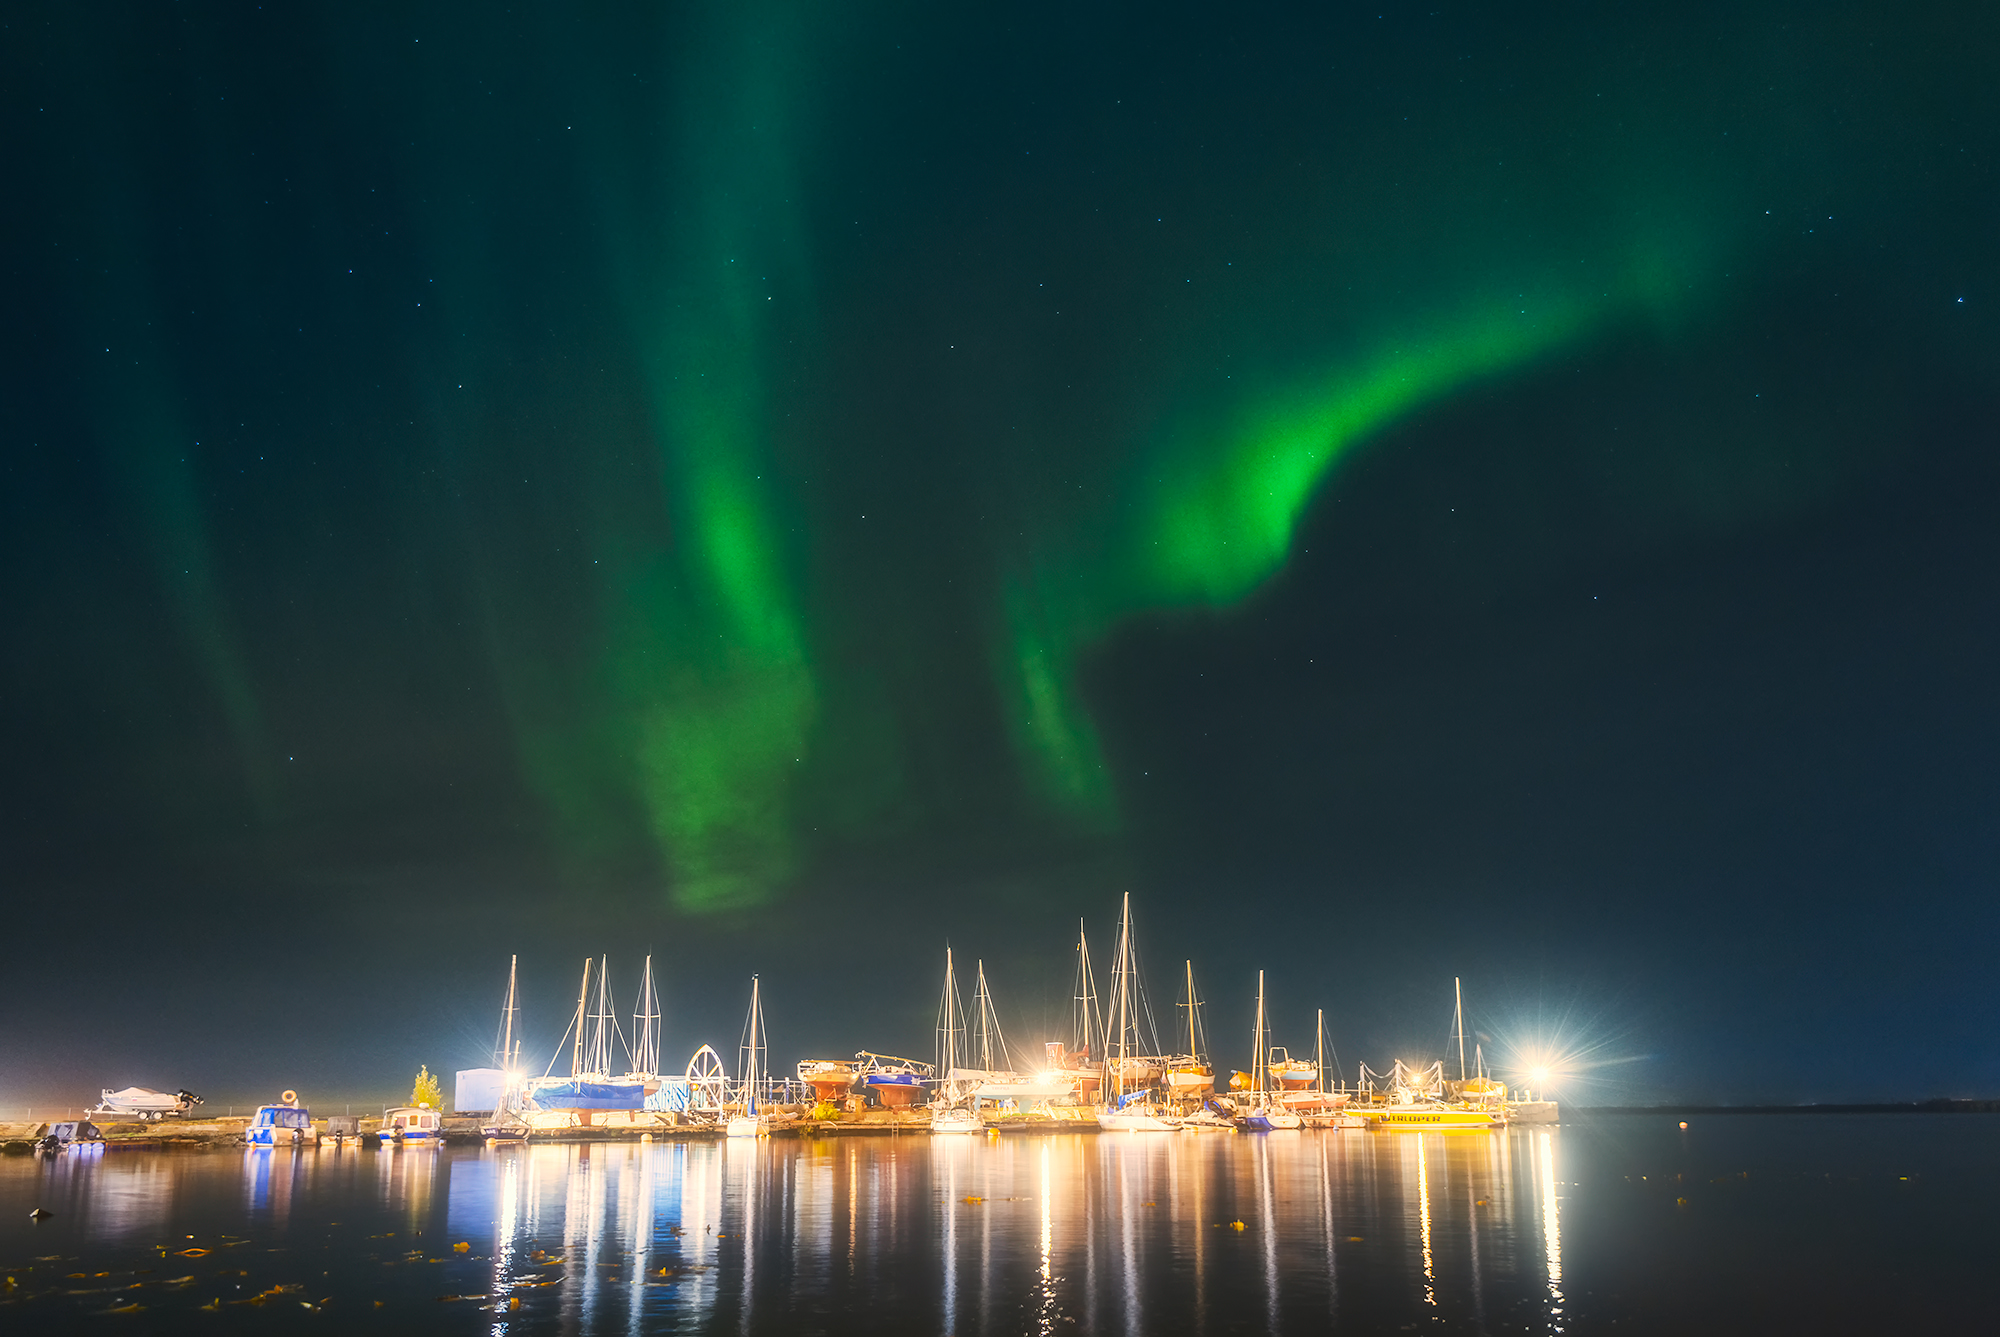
x=427 y=1091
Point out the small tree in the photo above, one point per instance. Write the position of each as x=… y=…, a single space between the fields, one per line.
x=427 y=1091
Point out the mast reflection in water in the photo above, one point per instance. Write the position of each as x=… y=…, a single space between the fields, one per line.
x=1822 y=1223
x=1113 y=1233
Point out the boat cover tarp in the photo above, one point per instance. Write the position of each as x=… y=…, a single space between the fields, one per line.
x=1026 y=1089
x=672 y=1095
x=574 y=1093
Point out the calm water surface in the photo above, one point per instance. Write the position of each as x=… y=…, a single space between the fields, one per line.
x=1611 y=1224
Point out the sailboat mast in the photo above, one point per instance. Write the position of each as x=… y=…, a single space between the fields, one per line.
x=646 y=1025
x=1319 y=1049
x=983 y=1005
x=504 y=1059
x=600 y=1043
x=756 y=1025
x=1088 y=1024
x=948 y=1020
x=582 y=996
x=1257 y=1057
x=1123 y=984
x=1190 y=1008
x=1458 y=1020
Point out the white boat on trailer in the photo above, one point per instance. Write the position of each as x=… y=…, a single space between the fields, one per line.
x=142 y=1102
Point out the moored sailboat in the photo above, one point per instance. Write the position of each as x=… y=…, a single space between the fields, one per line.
x=1264 y=1115
x=507 y=1124
x=951 y=1108
x=1190 y=1076
x=1080 y=1062
x=1414 y=1098
x=1129 y=1075
x=748 y=1122
x=590 y=1087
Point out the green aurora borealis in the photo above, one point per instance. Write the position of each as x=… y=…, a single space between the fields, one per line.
x=758 y=415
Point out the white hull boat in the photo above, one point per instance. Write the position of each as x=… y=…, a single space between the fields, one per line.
x=1127 y=1121
x=956 y=1120
x=142 y=1102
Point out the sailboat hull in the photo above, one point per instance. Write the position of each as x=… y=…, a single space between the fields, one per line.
x=1311 y=1102
x=897 y=1090
x=828 y=1078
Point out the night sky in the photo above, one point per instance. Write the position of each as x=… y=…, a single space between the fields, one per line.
x=1406 y=492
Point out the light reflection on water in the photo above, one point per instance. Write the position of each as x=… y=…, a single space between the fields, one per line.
x=1109 y=1233
x=1115 y=1233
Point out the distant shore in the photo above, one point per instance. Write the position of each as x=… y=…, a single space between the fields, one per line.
x=1903 y=1107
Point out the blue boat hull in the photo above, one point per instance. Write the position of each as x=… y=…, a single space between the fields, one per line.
x=895 y=1089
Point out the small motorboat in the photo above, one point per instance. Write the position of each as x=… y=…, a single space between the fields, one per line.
x=1137 y=1114
x=956 y=1119
x=1269 y=1119
x=1140 y=1119
x=417 y=1125
x=285 y=1124
x=1208 y=1119
x=78 y=1135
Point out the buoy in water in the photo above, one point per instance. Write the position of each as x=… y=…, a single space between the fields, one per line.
x=40 y=1214
x=1684 y=1124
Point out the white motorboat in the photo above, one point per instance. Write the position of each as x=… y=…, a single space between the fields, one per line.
x=285 y=1124
x=1206 y=1120
x=956 y=1119
x=414 y=1125
x=1143 y=1119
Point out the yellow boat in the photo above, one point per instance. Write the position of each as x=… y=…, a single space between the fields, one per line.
x=1431 y=1118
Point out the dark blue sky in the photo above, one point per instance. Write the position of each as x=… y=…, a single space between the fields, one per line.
x=1406 y=493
